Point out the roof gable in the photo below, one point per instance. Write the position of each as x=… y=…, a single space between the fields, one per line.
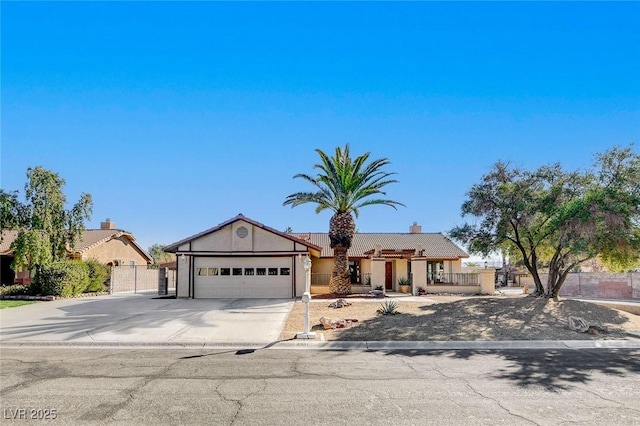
x=89 y=239
x=172 y=248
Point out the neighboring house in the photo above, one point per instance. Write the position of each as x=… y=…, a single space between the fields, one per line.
x=107 y=245
x=242 y=258
x=7 y=275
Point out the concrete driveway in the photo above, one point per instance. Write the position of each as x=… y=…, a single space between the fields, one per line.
x=136 y=318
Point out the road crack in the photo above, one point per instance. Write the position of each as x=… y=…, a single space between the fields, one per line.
x=511 y=413
x=238 y=402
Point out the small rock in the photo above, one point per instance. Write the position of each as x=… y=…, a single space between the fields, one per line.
x=326 y=323
x=578 y=324
x=340 y=303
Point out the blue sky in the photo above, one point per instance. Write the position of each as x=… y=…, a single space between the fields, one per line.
x=178 y=116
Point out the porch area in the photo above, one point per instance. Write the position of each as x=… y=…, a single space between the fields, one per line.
x=392 y=277
x=360 y=283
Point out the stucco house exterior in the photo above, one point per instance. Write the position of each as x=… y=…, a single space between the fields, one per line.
x=111 y=246
x=381 y=259
x=108 y=245
x=242 y=258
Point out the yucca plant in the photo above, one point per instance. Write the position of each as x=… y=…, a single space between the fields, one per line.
x=389 y=307
x=404 y=281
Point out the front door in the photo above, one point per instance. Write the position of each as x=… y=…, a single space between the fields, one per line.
x=388 y=276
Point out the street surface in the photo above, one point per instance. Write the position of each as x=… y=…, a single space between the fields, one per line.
x=311 y=387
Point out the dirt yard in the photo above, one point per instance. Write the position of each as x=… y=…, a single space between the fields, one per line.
x=465 y=318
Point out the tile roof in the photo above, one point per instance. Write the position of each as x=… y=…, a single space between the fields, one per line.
x=434 y=245
x=8 y=236
x=89 y=239
x=94 y=237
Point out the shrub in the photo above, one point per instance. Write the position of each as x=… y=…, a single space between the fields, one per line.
x=14 y=290
x=98 y=275
x=68 y=278
x=388 y=308
x=403 y=281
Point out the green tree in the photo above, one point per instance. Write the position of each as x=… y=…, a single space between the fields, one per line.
x=557 y=219
x=12 y=211
x=46 y=229
x=159 y=255
x=344 y=185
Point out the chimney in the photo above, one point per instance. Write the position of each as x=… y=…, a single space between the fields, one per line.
x=415 y=228
x=107 y=224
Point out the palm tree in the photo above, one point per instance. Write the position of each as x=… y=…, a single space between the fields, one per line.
x=344 y=185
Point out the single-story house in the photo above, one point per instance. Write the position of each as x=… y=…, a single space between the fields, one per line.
x=107 y=245
x=242 y=258
x=393 y=256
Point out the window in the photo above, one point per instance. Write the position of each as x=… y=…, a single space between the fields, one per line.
x=225 y=271
x=249 y=271
x=237 y=271
x=273 y=271
x=284 y=271
x=354 y=271
x=213 y=272
x=261 y=271
x=202 y=272
x=435 y=272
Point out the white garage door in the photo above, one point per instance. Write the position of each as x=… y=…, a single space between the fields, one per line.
x=253 y=277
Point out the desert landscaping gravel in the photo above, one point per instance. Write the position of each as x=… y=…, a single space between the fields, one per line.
x=448 y=318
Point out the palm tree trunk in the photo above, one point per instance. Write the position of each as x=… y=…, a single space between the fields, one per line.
x=340 y=279
x=341 y=230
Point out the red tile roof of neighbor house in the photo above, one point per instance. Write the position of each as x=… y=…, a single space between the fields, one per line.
x=8 y=236
x=433 y=245
x=90 y=238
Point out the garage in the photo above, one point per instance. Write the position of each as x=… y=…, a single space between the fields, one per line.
x=241 y=259
x=243 y=277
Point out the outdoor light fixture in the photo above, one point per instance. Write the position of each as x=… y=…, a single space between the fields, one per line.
x=183 y=257
x=306 y=298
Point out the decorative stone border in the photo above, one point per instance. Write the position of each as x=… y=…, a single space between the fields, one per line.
x=50 y=298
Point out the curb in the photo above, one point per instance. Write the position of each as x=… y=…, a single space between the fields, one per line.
x=52 y=298
x=333 y=345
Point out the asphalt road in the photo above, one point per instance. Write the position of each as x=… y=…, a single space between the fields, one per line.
x=309 y=387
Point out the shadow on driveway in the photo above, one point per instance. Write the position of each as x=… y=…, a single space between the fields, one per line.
x=144 y=318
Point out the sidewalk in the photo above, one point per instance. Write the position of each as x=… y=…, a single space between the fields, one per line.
x=336 y=345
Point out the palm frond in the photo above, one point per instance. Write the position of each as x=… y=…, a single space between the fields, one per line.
x=344 y=183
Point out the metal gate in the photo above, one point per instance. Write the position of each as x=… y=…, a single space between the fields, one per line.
x=166 y=281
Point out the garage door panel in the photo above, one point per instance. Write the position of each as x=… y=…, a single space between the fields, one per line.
x=212 y=284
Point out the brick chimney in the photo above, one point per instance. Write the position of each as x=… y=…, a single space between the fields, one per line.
x=415 y=228
x=107 y=224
